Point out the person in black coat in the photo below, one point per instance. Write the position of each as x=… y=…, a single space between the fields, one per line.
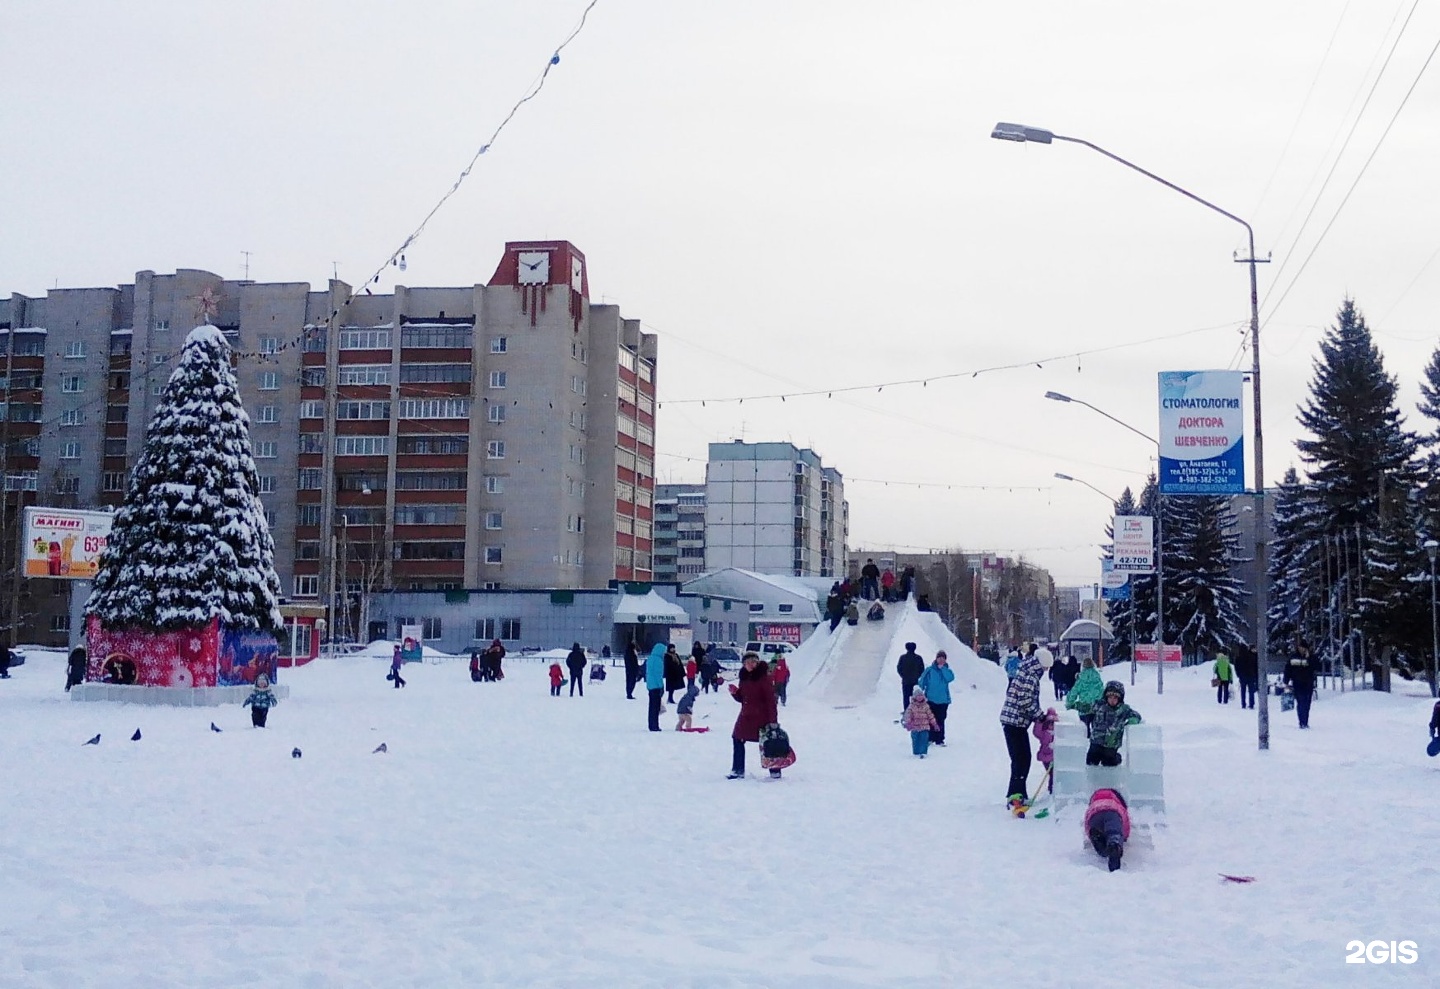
x=576 y=664
x=632 y=669
x=870 y=587
x=674 y=674
x=834 y=606
x=910 y=667
x=75 y=667
x=1300 y=675
x=1247 y=672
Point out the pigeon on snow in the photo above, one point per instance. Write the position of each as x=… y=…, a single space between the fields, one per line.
x=379 y=748
x=94 y=741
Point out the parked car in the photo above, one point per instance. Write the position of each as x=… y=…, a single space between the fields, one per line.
x=769 y=650
x=726 y=656
x=17 y=657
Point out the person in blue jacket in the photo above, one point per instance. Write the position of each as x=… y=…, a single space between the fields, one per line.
x=935 y=681
x=655 y=682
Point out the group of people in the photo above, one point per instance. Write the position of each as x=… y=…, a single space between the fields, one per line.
x=1244 y=668
x=925 y=691
x=485 y=664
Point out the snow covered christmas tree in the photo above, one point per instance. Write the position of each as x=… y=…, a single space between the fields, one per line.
x=190 y=550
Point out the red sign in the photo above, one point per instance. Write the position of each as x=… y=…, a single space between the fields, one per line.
x=1145 y=653
x=776 y=632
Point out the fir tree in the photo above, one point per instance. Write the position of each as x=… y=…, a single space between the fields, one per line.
x=1392 y=595
x=191 y=543
x=1118 y=611
x=1202 y=549
x=1297 y=584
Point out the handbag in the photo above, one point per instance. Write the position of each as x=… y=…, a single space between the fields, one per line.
x=1214 y=681
x=774 y=743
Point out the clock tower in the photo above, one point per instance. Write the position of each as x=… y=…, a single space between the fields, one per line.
x=533 y=267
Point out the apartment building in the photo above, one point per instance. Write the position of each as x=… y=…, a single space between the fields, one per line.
x=774 y=508
x=500 y=435
x=679 y=531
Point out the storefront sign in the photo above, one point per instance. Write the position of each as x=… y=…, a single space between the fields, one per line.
x=776 y=632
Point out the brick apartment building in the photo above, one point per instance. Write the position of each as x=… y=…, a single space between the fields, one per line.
x=500 y=435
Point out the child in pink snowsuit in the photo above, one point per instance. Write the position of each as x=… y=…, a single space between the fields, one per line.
x=1107 y=824
x=1044 y=731
x=919 y=721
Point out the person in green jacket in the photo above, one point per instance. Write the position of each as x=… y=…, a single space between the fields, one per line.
x=1224 y=673
x=1086 y=693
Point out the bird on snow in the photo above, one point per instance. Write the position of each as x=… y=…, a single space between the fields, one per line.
x=135 y=737
x=379 y=748
x=214 y=727
x=94 y=741
x=295 y=753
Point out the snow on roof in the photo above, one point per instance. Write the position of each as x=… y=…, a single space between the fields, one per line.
x=649 y=608
x=207 y=335
x=127 y=331
x=30 y=329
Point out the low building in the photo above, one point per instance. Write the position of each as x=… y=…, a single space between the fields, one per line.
x=779 y=608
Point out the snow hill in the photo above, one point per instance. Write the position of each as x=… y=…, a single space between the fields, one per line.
x=508 y=838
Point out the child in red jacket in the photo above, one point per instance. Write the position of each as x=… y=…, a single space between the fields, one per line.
x=780 y=676
x=557 y=678
x=1107 y=825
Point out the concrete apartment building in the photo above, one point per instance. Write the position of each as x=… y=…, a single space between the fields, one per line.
x=774 y=508
x=500 y=435
x=679 y=531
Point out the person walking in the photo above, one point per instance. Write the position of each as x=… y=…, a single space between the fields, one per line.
x=1300 y=675
x=632 y=669
x=75 y=667
x=834 y=606
x=396 y=664
x=1224 y=674
x=756 y=695
x=1021 y=708
x=780 y=676
x=910 y=667
x=709 y=671
x=260 y=701
x=557 y=679
x=919 y=720
x=655 y=682
x=575 y=663
x=1247 y=672
x=935 y=682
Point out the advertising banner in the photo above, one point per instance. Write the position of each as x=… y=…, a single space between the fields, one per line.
x=1114 y=585
x=1145 y=653
x=411 y=650
x=1134 y=544
x=1202 y=429
x=64 y=544
x=776 y=632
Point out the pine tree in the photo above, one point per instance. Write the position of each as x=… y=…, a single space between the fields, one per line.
x=1202 y=549
x=1118 y=612
x=1392 y=595
x=191 y=543
x=1295 y=569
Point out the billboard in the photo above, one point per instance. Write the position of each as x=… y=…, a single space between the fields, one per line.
x=1202 y=430
x=1134 y=544
x=776 y=632
x=64 y=544
x=1145 y=653
x=1114 y=586
x=411 y=650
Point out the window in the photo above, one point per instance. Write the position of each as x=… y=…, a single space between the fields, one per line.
x=267 y=450
x=72 y=383
x=433 y=443
x=577 y=384
x=269 y=413
x=269 y=345
x=495 y=450
x=115 y=446
x=434 y=408
x=499 y=345
x=432 y=550
x=269 y=380
x=113 y=480
x=363 y=374
x=25 y=480
x=362 y=410
x=429 y=373
x=70 y=450
x=310 y=479
x=309 y=409
x=362 y=515
x=269 y=519
x=429 y=480
x=484 y=628
x=432 y=628
x=267 y=483
x=314 y=339
x=577 y=419
x=157 y=359
x=362 y=446
x=494 y=484
x=495 y=413
x=158 y=388
x=497 y=379
x=313 y=376
x=308 y=515
x=307 y=585
x=492 y=520
x=162 y=324
x=430 y=515
x=436 y=335
x=353 y=339
x=67 y=485
x=756 y=606
x=117 y=413
x=60 y=623
x=70 y=417
x=312 y=442
x=360 y=480
x=509 y=628
x=493 y=554
x=307 y=549
x=75 y=348
x=785 y=609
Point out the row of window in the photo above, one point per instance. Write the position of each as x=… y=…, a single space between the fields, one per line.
x=366 y=515
x=379 y=409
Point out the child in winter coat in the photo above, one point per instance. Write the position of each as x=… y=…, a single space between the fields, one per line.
x=919 y=721
x=1085 y=693
x=686 y=708
x=557 y=678
x=1107 y=728
x=260 y=701
x=1044 y=731
x=1107 y=825
x=852 y=614
x=780 y=676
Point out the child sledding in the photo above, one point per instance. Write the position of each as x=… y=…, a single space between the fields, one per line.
x=1107 y=825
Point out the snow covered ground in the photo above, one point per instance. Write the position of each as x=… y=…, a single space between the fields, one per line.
x=508 y=838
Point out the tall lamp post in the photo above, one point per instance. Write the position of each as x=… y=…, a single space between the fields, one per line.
x=1022 y=134
x=1159 y=635
x=1431 y=549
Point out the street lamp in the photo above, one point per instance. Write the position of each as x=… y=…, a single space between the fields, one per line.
x=1431 y=548
x=1022 y=134
x=1159 y=634
x=1102 y=494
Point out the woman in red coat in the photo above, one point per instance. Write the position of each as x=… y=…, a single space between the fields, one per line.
x=756 y=695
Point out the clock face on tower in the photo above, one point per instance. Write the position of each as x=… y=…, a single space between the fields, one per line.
x=577 y=274
x=534 y=267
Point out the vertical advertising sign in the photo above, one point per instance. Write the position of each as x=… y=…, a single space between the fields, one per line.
x=1134 y=544
x=411 y=650
x=63 y=543
x=1114 y=584
x=1202 y=433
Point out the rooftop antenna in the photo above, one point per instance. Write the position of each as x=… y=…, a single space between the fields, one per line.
x=335 y=270
x=247 y=263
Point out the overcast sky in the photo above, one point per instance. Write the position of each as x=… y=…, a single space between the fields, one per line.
x=794 y=194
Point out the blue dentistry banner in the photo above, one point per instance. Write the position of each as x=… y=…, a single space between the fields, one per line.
x=1202 y=433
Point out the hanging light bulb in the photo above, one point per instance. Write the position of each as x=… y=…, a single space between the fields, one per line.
x=402 y=262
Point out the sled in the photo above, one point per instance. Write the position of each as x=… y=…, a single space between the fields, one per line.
x=779 y=762
x=701 y=730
